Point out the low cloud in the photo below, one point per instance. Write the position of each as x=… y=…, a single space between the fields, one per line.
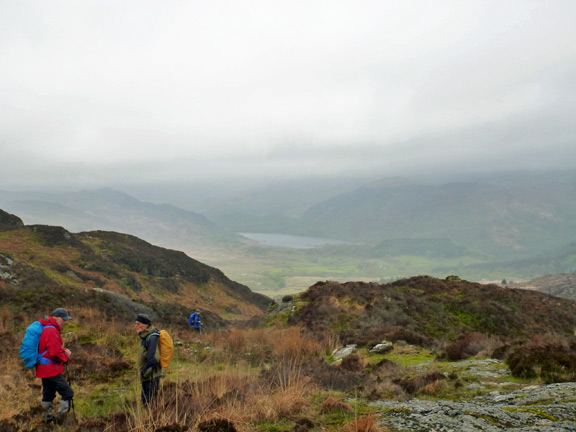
x=108 y=91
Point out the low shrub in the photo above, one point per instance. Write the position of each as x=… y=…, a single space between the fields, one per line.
x=332 y=404
x=548 y=357
x=216 y=425
x=353 y=363
x=413 y=385
x=467 y=345
x=331 y=377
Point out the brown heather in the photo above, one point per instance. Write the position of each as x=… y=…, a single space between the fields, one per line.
x=214 y=378
x=252 y=379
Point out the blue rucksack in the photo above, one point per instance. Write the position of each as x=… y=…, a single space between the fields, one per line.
x=29 y=348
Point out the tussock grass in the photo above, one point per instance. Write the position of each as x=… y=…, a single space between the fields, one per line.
x=245 y=377
x=16 y=393
x=367 y=423
x=4 y=317
x=253 y=380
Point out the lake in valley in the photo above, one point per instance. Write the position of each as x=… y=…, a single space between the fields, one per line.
x=291 y=241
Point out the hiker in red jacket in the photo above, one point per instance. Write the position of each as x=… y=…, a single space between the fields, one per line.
x=50 y=347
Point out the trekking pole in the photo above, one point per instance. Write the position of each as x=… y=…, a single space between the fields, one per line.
x=68 y=379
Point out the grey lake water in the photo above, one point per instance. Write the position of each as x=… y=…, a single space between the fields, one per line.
x=291 y=241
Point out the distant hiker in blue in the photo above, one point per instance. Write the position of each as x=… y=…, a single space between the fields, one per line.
x=149 y=358
x=195 y=321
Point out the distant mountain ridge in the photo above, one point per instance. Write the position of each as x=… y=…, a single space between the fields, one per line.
x=511 y=219
x=44 y=266
x=510 y=225
x=112 y=210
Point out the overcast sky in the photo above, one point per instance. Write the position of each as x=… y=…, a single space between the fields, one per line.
x=94 y=92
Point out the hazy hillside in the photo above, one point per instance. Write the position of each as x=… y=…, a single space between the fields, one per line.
x=506 y=218
x=514 y=226
x=48 y=265
x=112 y=210
x=248 y=197
x=447 y=340
x=561 y=285
x=248 y=206
x=424 y=308
x=559 y=260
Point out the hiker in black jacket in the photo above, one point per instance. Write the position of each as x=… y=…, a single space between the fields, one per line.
x=149 y=358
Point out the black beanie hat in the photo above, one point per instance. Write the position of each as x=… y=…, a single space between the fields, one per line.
x=143 y=319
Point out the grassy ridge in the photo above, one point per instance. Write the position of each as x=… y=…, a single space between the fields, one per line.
x=431 y=308
x=283 y=374
x=266 y=379
x=55 y=264
x=251 y=378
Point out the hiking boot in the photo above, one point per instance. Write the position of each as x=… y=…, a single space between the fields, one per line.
x=63 y=411
x=47 y=412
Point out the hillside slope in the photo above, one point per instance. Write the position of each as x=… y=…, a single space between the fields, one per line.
x=558 y=260
x=424 y=308
x=507 y=219
x=561 y=285
x=49 y=266
x=111 y=210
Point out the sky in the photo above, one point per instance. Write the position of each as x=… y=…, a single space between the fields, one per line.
x=96 y=92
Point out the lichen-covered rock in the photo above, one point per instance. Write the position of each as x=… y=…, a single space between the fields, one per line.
x=382 y=348
x=10 y=220
x=548 y=408
x=342 y=353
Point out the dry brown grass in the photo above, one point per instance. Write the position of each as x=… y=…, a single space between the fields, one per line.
x=332 y=404
x=5 y=316
x=18 y=389
x=367 y=423
x=260 y=346
x=16 y=393
x=236 y=397
x=291 y=343
x=245 y=377
x=249 y=376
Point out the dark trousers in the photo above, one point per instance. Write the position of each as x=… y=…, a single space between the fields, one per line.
x=56 y=384
x=150 y=389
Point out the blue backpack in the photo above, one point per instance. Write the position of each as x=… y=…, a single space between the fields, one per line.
x=29 y=348
x=195 y=320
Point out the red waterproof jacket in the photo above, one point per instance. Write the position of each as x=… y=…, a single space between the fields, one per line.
x=51 y=342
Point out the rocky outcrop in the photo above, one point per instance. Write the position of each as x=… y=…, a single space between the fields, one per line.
x=342 y=353
x=547 y=408
x=9 y=220
x=6 y=274
x=382 y=348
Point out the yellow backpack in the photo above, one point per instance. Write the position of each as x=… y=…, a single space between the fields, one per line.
x=166 y=345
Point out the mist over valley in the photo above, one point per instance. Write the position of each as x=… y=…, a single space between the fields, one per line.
x=512 y=226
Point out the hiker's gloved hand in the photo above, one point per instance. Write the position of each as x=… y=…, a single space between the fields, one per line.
x=152 y=363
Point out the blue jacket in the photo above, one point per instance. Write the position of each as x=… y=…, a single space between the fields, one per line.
x=195 y=320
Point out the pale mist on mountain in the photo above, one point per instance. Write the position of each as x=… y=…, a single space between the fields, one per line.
x=510 y=226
